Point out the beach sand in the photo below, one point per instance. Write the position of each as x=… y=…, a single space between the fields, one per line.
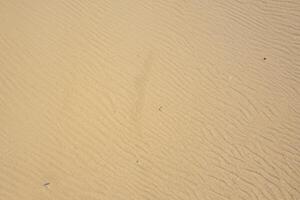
x=150 y=100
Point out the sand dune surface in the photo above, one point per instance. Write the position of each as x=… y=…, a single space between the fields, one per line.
x=144 y=100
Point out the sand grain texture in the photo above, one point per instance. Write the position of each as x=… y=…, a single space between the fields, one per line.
x=181 y=99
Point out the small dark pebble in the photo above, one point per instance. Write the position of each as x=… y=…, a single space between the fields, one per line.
x=46 y=184
x=265 y=58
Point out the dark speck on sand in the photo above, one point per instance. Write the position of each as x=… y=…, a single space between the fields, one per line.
x=46 y=184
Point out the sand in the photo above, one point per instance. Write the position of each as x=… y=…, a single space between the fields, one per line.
x=150 y=100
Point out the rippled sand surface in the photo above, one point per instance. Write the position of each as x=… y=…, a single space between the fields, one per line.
x=150 y=100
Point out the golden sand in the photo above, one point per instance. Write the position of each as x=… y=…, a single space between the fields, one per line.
x=150 y=100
